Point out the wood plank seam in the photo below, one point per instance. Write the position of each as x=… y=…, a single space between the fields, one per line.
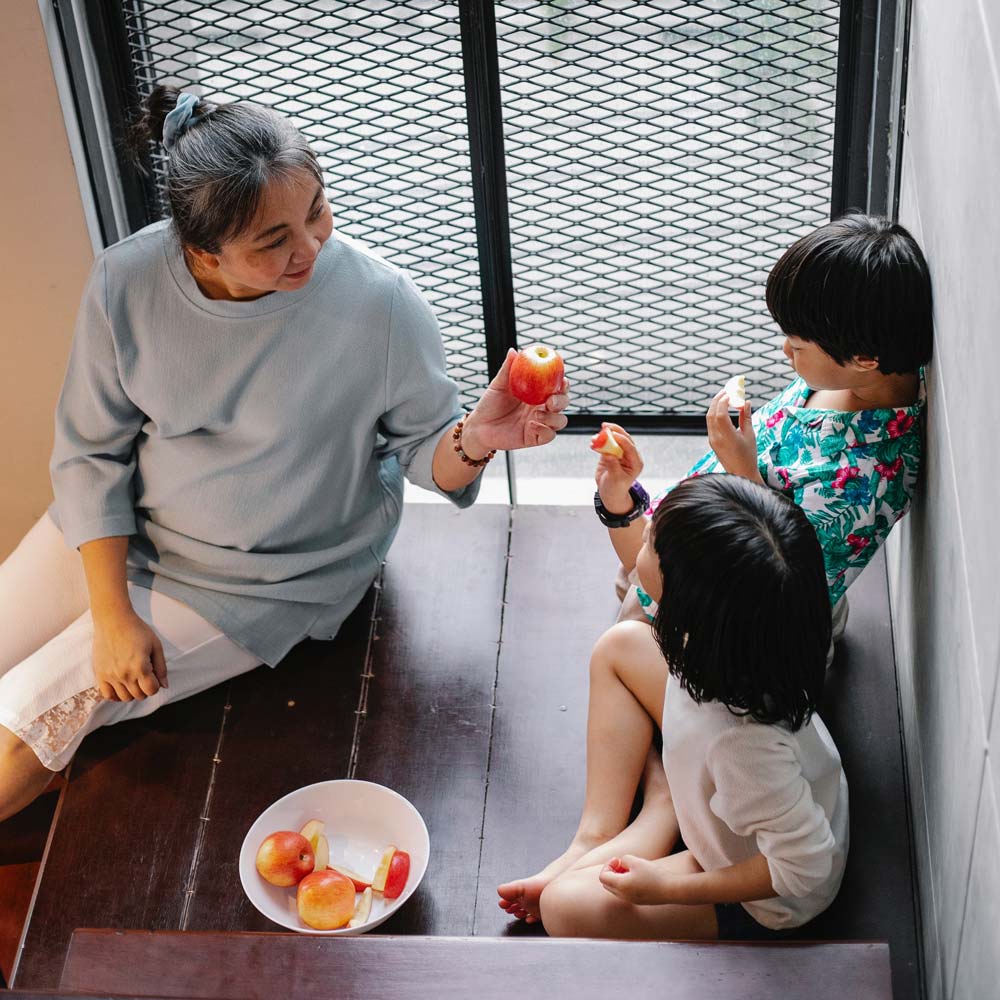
x=41 y=870
x=493 y=713
x=367 y=673
x=203 y=820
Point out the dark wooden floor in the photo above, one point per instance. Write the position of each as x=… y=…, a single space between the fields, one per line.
x=462 y=683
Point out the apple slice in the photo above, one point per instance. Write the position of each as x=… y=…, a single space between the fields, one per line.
x=399 y=872
x=359 y=883
x=312 y=830
x=616 y=865
x=382 y=872
x=736 y=390
x=322 y=852
x=606 y=443
x=362 y=909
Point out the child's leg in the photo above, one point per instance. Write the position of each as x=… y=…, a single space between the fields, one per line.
x=653 y=833
x=577 y=905
x=42 y=590
x=628 y=679
x=48 y=702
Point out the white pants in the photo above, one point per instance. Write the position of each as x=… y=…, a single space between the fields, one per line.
x=48 y=697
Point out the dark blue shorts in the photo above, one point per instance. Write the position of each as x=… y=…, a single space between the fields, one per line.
x=735 y=924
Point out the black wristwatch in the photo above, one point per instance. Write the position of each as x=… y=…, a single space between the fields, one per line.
x=640 y=504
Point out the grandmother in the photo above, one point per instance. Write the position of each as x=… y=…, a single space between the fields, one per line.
x=245 y=392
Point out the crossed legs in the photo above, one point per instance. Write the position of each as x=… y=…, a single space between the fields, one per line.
x=627 y=683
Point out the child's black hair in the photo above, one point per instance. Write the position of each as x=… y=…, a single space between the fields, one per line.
x=745 y=614
x=858 y=286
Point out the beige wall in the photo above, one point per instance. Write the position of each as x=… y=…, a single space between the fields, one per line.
x=45 y=255
x=943 y=558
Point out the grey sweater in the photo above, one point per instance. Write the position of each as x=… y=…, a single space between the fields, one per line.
x=254 y=451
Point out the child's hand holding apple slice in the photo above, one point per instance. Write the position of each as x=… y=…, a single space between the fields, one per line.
x=616 y=473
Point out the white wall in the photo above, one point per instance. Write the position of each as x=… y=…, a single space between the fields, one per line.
x=943 y=559
x=45 y=254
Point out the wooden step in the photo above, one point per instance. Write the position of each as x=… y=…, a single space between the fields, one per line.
x=387 y=967
x=487 y=740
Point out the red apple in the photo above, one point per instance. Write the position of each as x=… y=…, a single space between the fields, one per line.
x=359 y=882
x=536 y=374
x=285 y=858
x=325 y=900
x=399 y=872
x=606 y=443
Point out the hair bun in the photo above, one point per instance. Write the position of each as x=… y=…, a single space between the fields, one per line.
x=147 y=127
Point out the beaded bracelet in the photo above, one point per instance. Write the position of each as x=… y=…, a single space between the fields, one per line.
x=476 y=463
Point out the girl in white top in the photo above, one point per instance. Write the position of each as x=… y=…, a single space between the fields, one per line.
x=731 y=670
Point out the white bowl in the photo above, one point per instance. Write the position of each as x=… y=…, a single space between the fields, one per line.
x=362 y=819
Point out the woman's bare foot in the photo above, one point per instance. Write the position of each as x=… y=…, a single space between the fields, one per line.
x=520 y=897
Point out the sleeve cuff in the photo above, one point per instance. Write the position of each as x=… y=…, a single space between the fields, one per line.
x=77 y=533
x=420 y=470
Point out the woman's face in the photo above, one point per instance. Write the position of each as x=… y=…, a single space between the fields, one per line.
x=278 y=251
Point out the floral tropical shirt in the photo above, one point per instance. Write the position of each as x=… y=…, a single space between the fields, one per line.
x=852 y=473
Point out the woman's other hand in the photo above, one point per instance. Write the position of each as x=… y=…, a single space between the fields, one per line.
x=735 y=447
x=615 y=476
x=128 y=658
x=501 y=421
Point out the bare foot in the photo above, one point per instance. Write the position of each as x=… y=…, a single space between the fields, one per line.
x=520 y=898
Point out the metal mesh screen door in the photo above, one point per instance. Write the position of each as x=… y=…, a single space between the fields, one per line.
x=659 y=156
x=377 y=87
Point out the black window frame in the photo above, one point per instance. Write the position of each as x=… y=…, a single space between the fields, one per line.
x=868 y=130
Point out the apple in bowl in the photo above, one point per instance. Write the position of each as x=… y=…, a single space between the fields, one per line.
x=285 y=858
x=325 y=900
x=357 y=819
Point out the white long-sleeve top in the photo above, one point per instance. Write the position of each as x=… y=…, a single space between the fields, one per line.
x=741 y=788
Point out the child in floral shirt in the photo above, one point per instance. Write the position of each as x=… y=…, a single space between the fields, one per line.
x=853 y=299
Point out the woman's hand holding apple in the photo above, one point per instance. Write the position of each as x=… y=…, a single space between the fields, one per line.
x=614 y=476
x=501 y=421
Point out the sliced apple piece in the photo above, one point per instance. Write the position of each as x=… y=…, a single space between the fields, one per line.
x=322 y=852
x=399 y=872
x=736 y=390
x=359 y=882
x=605 y=443
x=311 y=831
x=378 y=882
x=362 y=909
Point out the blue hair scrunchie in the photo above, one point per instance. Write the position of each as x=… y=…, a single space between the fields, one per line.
x=179 y=120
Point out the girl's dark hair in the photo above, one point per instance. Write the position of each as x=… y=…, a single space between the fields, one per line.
x=218 y=168
x=858 y=286
x=745 y=614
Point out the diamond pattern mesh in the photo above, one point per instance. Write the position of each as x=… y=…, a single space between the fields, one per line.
x=659 y=155
x=377 y=88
